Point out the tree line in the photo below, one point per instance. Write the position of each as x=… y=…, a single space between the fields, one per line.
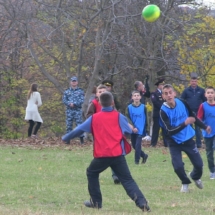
x=48 y=41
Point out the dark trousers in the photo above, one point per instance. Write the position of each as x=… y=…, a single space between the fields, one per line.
x=31 y=126
x=113 y=173
x=136 y=141
x=189 y=147
x=209 y=142
x=120 y=167
x=155 y=132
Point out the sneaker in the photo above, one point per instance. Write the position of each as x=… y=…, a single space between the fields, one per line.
x=34 y=136
x=81 y=140
x=198 y=182
x=145 y=208
x=184 y=188
x=116 y=179
x=67 y=142
x=89 y=204
x=212 y=175
x=145 y=158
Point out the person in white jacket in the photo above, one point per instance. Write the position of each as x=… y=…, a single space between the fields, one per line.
x=32 y=114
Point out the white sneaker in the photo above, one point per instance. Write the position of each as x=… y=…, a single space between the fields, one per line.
x=212 y=175
x=34 y=136
x=184 y=188
x=198 y=183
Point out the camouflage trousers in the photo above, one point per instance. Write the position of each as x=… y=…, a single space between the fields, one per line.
x=73 y=116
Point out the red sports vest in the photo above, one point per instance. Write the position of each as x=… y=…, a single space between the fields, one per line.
x=97 y=105
x=108 y=135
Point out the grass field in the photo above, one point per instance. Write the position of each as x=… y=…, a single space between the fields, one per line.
x=52 y=180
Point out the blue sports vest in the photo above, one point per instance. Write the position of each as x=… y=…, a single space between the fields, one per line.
x=209 y=119
x=138 y=118
x=178 y=115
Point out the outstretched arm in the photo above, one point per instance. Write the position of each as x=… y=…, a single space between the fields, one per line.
x=84 y=127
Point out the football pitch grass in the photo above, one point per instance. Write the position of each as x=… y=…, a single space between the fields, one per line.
x=44 y=180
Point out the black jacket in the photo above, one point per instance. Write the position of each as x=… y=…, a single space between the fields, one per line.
x=194 y=97
x=157 y=101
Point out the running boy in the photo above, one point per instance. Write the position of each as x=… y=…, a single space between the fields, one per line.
x=138 y=117
x=176 y=118
x=108 y=128
x=95 y=107
x=207 y=114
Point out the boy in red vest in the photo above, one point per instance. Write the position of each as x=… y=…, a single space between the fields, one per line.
x=108 y=128
x=95 y=107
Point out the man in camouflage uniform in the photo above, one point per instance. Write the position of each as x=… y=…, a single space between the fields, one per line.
x=73 y=98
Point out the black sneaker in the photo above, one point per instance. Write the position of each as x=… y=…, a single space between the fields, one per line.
x=145 y=208
x=67 y=142
x=81 y=140
x=145 y=158
x=89 y=204
x=116 y=179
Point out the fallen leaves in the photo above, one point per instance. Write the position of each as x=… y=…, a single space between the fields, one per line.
x=40 y=142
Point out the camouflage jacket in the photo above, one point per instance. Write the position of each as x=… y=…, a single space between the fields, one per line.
x=75 y=96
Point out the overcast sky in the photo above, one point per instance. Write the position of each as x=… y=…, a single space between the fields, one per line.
x=207 y=2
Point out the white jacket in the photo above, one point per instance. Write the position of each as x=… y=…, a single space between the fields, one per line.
x=32 y=112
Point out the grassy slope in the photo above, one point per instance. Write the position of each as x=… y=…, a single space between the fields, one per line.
x=52 y=180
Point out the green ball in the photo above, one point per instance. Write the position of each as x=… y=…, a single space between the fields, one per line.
x=151 y=13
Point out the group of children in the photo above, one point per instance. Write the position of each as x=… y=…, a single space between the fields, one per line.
x=137 y=118
x=109 y=127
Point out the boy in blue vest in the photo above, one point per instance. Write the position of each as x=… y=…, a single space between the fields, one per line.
x=110 y=147
x=95 y=107
x=176 y=118
x=138 y=118
x=206 y=113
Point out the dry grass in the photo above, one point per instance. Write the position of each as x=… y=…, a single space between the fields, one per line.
x=44 y=180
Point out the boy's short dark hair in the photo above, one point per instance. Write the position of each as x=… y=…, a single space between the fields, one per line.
x=101 y=86
x=209 y=88
x=167 y=86
x=106 y=99
x=135 y=91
